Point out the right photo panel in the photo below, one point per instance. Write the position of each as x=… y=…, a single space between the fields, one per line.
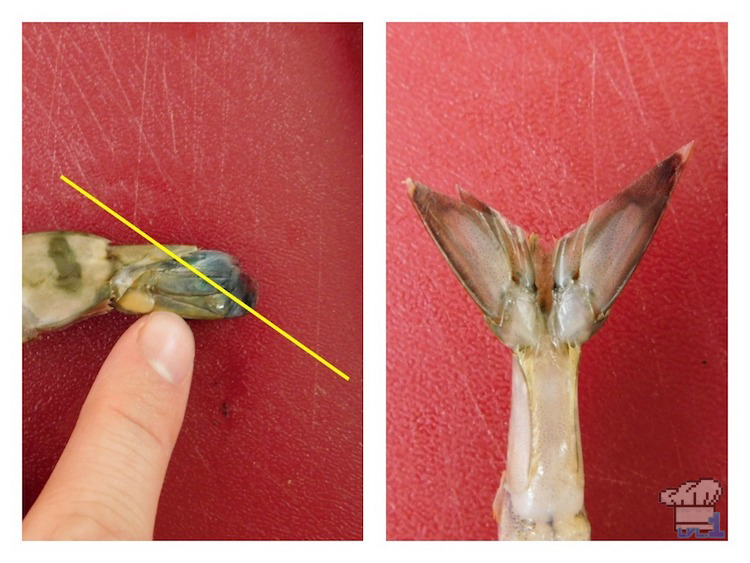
x=557 y=281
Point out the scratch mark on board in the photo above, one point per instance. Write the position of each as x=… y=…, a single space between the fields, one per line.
x=140 y=124
x=467 y=37
x=55 y=81
x=203 y=459
x=611 y=80
x=720 y=49
x=170 y=109
x=557 y=74
x=110 y=62
x=142 y=138
x=592 y=117
x=85 y=99
x=637 y=97
x=659 y=79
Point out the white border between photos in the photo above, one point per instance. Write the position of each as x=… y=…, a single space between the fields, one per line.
x=375 y=16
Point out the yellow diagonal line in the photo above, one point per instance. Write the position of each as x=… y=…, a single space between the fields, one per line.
x=205 y=278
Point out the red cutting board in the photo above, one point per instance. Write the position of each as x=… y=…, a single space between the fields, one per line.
x=543 y=123
x=236 y=137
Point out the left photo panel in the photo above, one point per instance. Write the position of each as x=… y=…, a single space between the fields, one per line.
x=212 y=173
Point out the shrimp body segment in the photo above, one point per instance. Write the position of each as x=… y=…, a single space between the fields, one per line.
x=544 y=306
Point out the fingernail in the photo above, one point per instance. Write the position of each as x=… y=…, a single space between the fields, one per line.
x=167 y=344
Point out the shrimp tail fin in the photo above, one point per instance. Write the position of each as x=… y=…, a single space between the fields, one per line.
x=592 y=264
x=521 y=289
x=490 y=256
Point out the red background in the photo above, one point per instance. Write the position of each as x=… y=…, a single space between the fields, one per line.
x=242 y=138
x=544 y=122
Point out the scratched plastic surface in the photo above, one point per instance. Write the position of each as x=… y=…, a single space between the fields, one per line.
x=242 y=138
x=543 y=122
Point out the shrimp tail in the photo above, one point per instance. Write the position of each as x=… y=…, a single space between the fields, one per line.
x=544 y=305
x=524 y=292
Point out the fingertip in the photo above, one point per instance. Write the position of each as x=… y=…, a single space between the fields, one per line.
x=167 y=344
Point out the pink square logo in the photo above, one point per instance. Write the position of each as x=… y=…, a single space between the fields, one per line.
x=693 y=503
